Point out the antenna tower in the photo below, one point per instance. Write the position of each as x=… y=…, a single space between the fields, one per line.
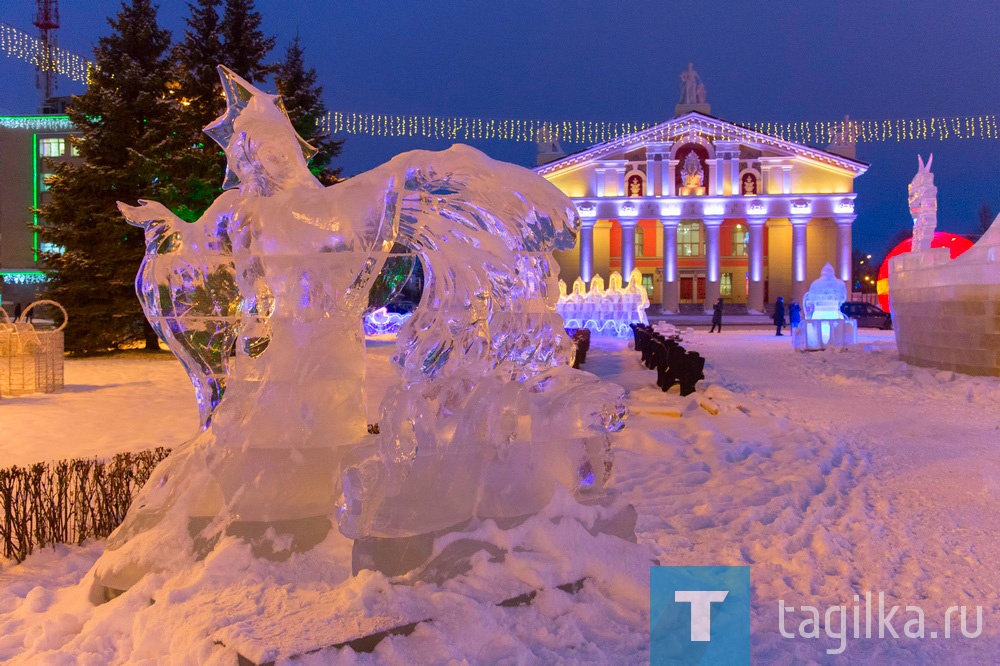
x=47 y=21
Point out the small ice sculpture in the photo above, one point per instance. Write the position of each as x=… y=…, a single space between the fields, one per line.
x=824 y=323
x=606 y=311
x=487 y=417
x=382 y=322
x=923 y=205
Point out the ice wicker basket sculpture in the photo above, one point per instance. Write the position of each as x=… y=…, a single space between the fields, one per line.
x=31 y=356
x=487 y=418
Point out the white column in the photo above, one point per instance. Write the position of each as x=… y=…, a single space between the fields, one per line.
x=712 y=225
x=628 y=247
x=650 y=174
x=621 y=181
x=737 y=186
x=765 y=176
x=587 y=250
x=670 y=179
x=671 y=291
x=714 y=183
x=755 y=262
x=844 y=264
x=786 y=178
x=601 y=178
x=799 y=257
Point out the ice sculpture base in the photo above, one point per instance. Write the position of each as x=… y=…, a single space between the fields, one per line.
x=468 y=563
x=818 y=334
x=403 y=555
x=946 y=312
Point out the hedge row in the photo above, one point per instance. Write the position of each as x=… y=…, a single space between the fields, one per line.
x=69 y=500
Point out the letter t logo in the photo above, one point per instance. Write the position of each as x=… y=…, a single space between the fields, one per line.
x=701 y=610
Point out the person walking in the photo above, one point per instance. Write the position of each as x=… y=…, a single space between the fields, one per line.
x=794 y=316
x=717 y=316
x=17 y=311
x=779 y=315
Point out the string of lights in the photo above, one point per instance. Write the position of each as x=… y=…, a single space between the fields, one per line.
x=18 y=44
x=590 y=132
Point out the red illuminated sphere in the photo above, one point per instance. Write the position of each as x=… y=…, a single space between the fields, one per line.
x=955 y=243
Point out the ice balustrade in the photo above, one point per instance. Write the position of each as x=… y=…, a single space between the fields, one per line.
x=823 y=323
x=605 y=311
x=487 y=417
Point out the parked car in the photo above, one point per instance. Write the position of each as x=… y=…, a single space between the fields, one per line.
x=867 y=315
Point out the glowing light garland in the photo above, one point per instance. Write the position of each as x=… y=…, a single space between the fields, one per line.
x=23 y=277
x=38 y=123
x=17 y=44
x=592 y=132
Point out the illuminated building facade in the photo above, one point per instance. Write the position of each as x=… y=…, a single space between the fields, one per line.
x=30 y=146
x=705 y=209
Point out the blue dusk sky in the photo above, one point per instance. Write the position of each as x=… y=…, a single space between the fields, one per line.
x=588 y=60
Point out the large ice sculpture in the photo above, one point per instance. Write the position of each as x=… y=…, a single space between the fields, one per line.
x=605 y=311
x=487 y=416
x=923 y=205
x=946 y=312
x=824 y=324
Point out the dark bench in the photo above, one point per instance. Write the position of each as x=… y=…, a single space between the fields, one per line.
x=674 y=365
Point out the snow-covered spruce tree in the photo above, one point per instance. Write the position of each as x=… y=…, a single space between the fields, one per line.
x=244 y=45
x=304 y=102
x=196 y=165
x=123 y=118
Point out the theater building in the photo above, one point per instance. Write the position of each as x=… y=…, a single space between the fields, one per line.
x=705 y=208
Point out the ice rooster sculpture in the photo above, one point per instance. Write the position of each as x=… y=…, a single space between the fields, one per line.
x=487 y=417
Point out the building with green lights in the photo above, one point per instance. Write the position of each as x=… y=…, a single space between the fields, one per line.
x=30 y=146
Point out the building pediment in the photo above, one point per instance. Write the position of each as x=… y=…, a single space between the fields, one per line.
x=699 y=128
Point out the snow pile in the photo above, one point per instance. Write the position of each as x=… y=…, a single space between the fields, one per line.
x=830 y=473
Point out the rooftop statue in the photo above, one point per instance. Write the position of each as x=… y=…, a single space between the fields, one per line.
x=692 y=89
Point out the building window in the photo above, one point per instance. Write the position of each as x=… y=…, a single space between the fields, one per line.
x=740 y=241
x=726 y=285
x=43 y=182
x=640 y=239
x=689 y=239
x=52 y=147
x=74 y=149
x=647 y=282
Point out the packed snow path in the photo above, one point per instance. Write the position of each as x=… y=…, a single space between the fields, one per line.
x=830 y=473
x=878 y=477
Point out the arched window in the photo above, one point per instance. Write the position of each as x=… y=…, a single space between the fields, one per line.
x=640 y=238
x=740 y=241
x=689 y=239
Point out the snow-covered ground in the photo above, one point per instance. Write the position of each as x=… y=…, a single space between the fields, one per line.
x=830 y=473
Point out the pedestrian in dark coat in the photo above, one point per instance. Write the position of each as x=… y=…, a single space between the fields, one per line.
x=794 y=316
x=17 y=311
x=717 y=316
x=779 y=315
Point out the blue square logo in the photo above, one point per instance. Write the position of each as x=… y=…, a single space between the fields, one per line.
x=699 y=615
